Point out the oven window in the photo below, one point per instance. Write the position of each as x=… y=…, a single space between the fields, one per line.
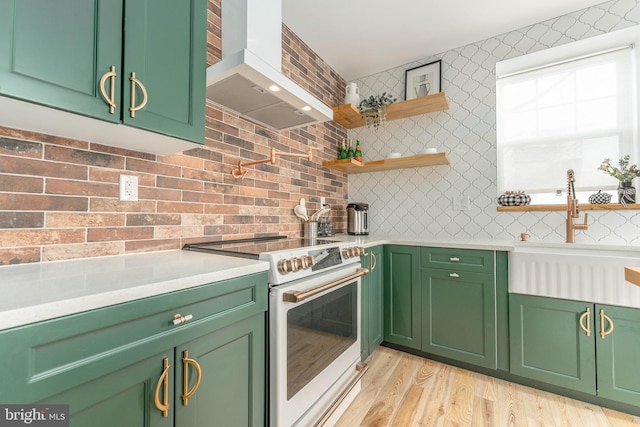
x=318 y=331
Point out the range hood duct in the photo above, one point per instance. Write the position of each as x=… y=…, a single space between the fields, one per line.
x=249 y=80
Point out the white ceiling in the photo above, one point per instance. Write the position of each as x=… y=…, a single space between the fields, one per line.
x=358 y=38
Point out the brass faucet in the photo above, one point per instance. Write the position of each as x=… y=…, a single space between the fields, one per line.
x=573 y=210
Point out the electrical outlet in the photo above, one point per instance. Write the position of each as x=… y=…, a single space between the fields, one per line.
x=128 y=188
x=465 y=203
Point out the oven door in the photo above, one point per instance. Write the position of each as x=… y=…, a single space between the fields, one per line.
x=314 y=334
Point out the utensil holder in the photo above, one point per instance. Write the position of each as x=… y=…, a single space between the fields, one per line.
x=311 y=230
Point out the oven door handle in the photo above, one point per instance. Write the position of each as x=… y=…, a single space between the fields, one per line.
x=299 y=296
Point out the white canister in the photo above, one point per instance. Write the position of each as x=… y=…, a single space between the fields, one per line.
x=352 y=94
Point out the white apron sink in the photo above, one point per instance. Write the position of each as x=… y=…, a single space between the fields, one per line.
x=581 y=272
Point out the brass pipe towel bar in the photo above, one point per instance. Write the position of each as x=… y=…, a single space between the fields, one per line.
x=240 y=172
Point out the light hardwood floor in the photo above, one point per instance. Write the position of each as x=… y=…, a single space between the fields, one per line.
x=404 y=390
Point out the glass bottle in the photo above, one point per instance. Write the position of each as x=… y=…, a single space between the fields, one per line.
x=343 y=150
x=357 y=155
x=350 y=152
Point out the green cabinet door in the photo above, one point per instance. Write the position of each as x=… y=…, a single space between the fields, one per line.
x=459 y=315
x=548 y=344
x=231 y=391
x=402 y=296
x=372 y=297
x=165 y=48
x=126 y=397
x=55 y=52
x=617 y=348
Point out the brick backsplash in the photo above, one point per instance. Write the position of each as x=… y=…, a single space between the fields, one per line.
x=59 y=197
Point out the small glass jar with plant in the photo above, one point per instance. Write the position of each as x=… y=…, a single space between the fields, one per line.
x=374 y=109
x=624 y=173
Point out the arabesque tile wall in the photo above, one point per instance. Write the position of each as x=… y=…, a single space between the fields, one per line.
x=59 y=197
x=417 y=203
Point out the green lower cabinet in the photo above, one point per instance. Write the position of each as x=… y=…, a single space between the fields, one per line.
x=547 y=343
x=123 y=398
x=402 y=305
x=459 y=315
x=372 y=297
x=230 y=392
x=617 y=349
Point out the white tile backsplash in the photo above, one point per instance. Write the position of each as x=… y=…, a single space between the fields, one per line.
x=417 y=203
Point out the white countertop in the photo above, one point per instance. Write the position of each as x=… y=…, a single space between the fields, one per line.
x=373 y=240
x=42 y=291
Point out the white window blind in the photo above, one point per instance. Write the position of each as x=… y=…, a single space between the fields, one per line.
x=572 y=115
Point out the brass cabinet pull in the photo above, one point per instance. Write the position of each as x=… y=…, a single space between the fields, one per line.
x=186 y=393
x=587 y=328
x=179 y=319
x=374 y=261
x=604 y=317
x=133 y=107
x=111 y=74
x=454 y=275
x=454 y=259
x=163 y=381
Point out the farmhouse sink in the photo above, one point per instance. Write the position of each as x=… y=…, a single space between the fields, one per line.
x=582 y=272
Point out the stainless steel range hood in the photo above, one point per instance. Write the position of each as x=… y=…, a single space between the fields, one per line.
x=249 y=80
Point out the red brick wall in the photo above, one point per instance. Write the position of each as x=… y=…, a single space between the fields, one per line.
x=59 y=197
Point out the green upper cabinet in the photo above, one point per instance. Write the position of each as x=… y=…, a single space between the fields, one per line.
x=55 y=53
x=547 y=344
x=402 y=306
x=165 y=49
x=617 y=349
x=459 y=315
x=372 y=297
x=81 y=56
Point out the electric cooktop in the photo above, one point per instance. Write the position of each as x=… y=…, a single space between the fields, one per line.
x=253 y=247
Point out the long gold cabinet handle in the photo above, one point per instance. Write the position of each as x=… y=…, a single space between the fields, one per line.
x=133 y=108
x=374 y=261
x=163 y=381
x=603 y=318
x=586 y=326
x=186 y=393
x=110 y=98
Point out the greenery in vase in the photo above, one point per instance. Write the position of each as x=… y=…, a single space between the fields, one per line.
x=374 y=109
x=623 y=173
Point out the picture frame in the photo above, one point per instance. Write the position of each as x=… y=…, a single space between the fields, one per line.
x=423 y=80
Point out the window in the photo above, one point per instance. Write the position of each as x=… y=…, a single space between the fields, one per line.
x=568 y=114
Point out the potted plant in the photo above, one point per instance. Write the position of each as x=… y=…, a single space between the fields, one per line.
x=374 y=109
x=624 y=174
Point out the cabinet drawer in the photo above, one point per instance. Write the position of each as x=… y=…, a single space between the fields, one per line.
x=50 y=356
x=480 y=261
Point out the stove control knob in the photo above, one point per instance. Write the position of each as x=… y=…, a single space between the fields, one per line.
x=307 y=261
x=345 y=253
x=360 y=250
x=286 y=266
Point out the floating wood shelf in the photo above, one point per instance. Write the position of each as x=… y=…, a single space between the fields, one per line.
x=582 y=206
x=348 y=115
x=632 y=274
x=419 y=160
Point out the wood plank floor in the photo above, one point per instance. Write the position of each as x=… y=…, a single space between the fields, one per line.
x=405 y=390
